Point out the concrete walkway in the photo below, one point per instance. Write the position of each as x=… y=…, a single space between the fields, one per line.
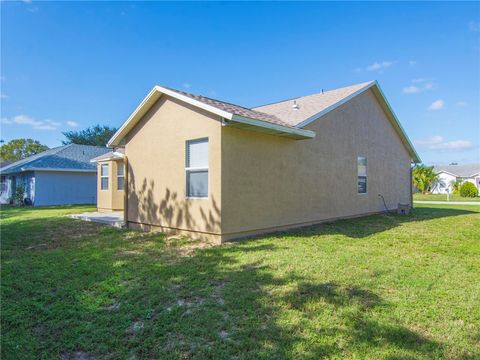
x=447 y=202
x=110 y=218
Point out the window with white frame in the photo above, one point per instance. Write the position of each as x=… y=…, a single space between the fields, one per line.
x=362 y=175
x=196 y=168
x=120 y=176
x=104 y=177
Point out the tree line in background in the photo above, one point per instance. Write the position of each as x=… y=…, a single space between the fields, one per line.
x=18 y=149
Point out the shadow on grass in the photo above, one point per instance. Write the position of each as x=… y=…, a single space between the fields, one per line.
x=365 y=226
x=111 y=293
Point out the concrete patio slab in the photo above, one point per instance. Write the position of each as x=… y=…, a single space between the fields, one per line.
x=111 y=218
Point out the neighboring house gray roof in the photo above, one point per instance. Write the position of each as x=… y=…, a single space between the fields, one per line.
x=4 y=163
x=466 y=170
x=70 y=157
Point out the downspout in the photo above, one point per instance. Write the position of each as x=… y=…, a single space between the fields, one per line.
x=125 y=192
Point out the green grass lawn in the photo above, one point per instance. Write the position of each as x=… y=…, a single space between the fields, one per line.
x=442 y=197
x=379 y=287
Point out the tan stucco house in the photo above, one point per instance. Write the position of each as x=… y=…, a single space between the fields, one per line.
x=110 y=181
x=218 y=171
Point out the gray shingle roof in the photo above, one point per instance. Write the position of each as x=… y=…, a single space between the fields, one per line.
x=70 y=157
x=234 y=109
x=308 y=106
x=466 y=170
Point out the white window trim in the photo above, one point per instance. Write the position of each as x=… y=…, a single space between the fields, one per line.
x=193 y=169
x=104 y=176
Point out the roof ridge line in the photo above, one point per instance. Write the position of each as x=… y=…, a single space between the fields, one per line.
x=317 y=93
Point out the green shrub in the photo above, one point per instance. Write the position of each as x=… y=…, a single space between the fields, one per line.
x=19 y=195
x=468 y=190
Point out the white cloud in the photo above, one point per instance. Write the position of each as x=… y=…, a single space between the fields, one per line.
x=436 y=105
x=412 y=89
x=26 y=1
x=435 y=139
x=474 y=26
x=412 y=62
x=379 y=65
x=25 y=120
x=437 y=142
x=72 y=123
x=33 y=123
x=3 y=96
x=48 y=125
x=187 y=85
x=461 y=103
x=418 y=85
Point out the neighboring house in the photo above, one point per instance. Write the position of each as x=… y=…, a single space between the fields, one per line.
x=3 y=182
x=218 y=171
x=110 y=181
x=58 y=176
x=449 y=173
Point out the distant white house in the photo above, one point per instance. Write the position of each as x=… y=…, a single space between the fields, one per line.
x=450 y=173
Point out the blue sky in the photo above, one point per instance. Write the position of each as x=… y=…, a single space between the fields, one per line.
x=70 y=65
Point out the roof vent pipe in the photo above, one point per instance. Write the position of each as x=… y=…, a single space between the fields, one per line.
x=295 y=105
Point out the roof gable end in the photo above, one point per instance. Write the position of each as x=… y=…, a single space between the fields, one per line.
x=230 y=112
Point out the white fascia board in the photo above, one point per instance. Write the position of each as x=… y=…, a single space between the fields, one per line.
x=334 y=106
x=118 y=136
x=403 y=135
x=149 y=100
x=448 y=173
x=415 y=157
x=196 y=103
x=307 y=134
x=114 y=157
x=455 y=175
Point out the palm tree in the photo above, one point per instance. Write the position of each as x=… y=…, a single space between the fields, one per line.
x=424 y=178
x=455 y=185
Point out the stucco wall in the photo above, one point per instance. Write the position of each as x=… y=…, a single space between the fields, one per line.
x=155 y=151
x=271 y=182
x=111 y=199
x=59 y=188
